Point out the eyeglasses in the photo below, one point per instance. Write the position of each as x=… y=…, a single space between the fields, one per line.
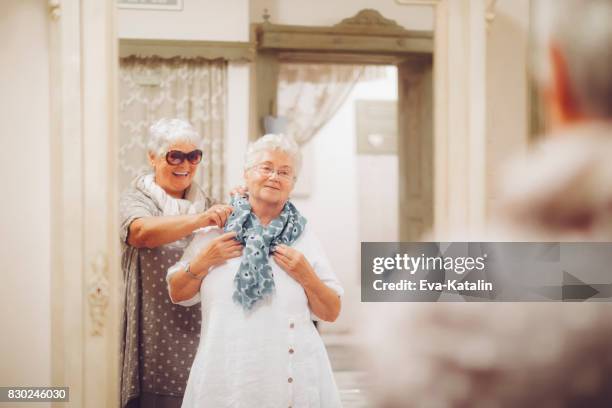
x=176 y=157
x=268 y=171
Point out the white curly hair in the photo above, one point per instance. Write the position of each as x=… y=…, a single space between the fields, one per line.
x=167 y=131
x=273 y=141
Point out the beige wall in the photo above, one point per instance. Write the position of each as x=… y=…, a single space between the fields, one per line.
x=206 y=20
x=507 y=115
x=25 y=217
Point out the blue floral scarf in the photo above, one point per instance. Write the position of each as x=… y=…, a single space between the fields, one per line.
x=254 y=279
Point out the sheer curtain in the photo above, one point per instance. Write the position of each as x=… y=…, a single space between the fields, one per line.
x=309 y=94
x=194 y=89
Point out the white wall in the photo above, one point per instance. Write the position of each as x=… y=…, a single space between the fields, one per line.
x=507 y=92
x=237 y=129
x=25 y=217
x=206 y=20
x=354 y=198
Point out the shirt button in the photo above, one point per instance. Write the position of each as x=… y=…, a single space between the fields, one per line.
x=291 y=351
x=290 y=380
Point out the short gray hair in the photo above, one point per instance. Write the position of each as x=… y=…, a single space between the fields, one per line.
x=273 y=141
x=165 y=132
x=582 y=31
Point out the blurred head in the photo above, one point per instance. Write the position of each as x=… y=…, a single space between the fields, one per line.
x=174 y=154
x=272 y=165
x=578 y=85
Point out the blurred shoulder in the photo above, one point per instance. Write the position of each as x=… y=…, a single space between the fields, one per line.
x=562 y=185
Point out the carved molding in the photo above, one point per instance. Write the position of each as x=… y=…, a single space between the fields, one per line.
x=266 y=16
x=98 y=294
x=418 y=2
x=369 y=18
x=490 y=12
x=55 y=9
x=366 y=32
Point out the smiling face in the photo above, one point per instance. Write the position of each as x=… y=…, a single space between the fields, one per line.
x=274 y=188
x=174 y=179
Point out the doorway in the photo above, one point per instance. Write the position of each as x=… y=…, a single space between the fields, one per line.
x=365 y=39
x=366 y=187
x=348 y=185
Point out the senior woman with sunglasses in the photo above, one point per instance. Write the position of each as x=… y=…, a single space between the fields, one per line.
x=258 y=346
x=158 y=214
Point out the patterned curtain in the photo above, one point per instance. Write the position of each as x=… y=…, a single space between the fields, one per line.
x=194 y=89
x=310 y=94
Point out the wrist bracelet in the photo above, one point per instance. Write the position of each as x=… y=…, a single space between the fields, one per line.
x=188 y=272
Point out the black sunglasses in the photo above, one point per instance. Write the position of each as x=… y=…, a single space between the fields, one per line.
x=175 y=157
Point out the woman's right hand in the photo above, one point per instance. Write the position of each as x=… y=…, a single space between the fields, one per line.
x=219 y=250
x=216 y=215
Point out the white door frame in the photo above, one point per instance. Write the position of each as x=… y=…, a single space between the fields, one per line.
x=85 y=270
x=459 y=115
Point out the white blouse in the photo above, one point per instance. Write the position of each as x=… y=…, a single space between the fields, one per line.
x=269 y=357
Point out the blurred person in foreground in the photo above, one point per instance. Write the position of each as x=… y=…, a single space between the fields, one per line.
x=526 y=354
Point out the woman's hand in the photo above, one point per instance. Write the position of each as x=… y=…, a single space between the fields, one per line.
x=183 y=286
x=219 y=250
x=239 y=190
x=322 y=300
x=216 y=215
x=293 y=262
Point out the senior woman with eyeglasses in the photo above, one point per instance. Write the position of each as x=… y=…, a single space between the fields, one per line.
x=158 y=215
x=258 y=346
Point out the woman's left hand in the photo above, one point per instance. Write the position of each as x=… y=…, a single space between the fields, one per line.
x=322 y=300
x=293 y=262
x=239 y=190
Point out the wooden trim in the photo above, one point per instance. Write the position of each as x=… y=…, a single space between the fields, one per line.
x=415 y=149
x=266 y=71
x=227 y=50
x=349 y=58
x=347 y=28
x=344 y=42
x=366 y=32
